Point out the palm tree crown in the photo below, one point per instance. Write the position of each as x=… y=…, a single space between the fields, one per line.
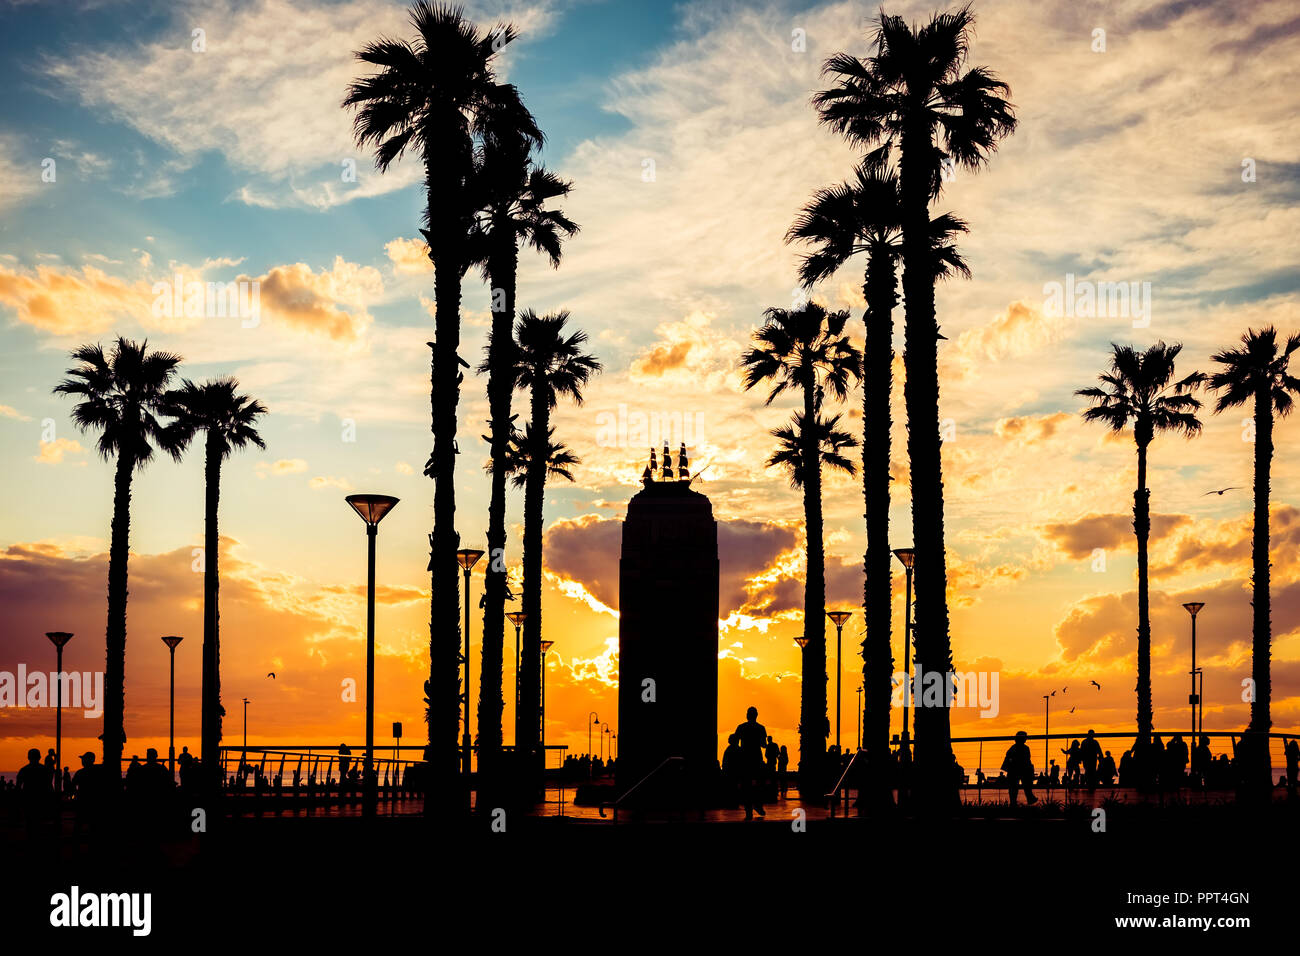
x=227 y=418
x=803 y=349
x=1140 y=389
x=121 y=395
x=829 y=438
x=546 y=357
x=1257 y=367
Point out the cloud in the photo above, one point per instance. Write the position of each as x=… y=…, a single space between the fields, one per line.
x=1109 y=532
x=329 y=303
x=328 y=481
x=8 y=411
x=285 y=466
x=408 y=256
x=661 y=359
x=52 y=452
x=1019 y=331
x=273 y=75
x=1030 y=429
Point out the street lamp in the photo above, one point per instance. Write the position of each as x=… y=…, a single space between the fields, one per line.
x=467 y=558
x=58 y=639
x=838 y=618
x=590 y=768
x=907 y=557
x=859 y=716
x=372 y=509
x=546 y=646
x=243 y=758
x=1194 y=699
x=171 y=642
x=517 y=618
x=604 y=729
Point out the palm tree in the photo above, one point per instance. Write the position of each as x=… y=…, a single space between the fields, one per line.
x=1140 y=389
x=916 y=94
x=549 y=365
x=435 y=94
x=559 y=460
x=228 y=421
x=121 y=395
x=865 y=216
x=806 y=350
x=1258 y=372
x=515 y=193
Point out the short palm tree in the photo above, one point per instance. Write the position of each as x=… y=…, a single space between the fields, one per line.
x=865 y=216
x=1140 y=390
x=228 y=421
x=515 y=193
x=1259 y=372
x=435 y=94
x=805 y=350
x=550 y=364
x=916 y=94
x=121 y=395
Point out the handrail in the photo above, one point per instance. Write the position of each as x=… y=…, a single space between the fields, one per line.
x=632 y=789
x=839 y=784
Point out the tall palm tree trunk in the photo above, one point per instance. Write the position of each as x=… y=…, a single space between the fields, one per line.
x=1259 y=768
x=210 y=731
x=813 y=724
x=1142 y=528
x=880 y=291
x=528 y=719
x=501 y=383
x=444 y=579
x=115 y=637
x=937 y=784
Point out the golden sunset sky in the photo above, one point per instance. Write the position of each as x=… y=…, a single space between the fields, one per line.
x=1128 y=167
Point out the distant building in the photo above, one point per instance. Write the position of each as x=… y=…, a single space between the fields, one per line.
x=668 y=626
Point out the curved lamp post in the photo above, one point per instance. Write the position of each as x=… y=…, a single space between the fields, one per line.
x=907 y=558
x=467 y=558
x=517 y=618
x=171 y=641
x=58 y=639
x=546 y=646
x=591 y=770
x=1194 y=608
x=372 y=509
x=838 y=618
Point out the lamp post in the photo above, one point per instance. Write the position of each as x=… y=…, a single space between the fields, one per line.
x=546 y=646
x=838 y=618
x=907 y=557
x=594 y=722
x=517 y=618
x=58 y=639
x=604 y=729
x=372 y=509
x=1047 y=724
x=171 y=641
x=859 y=716
x=1194 y=699
x=243 y=758
x=467 y=558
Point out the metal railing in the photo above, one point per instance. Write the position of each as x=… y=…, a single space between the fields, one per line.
x=636 y=786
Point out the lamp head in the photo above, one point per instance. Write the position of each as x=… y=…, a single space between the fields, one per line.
x=1193 y=607
x=517 y=617
x=58 y=638
x=839 y=617
x=468 y=557
x=546 y=646
x=802 y=642
x=372 y=508
x=906 y=556
x=172 y=640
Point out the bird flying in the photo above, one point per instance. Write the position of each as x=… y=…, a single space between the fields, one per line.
x=1095 y=684
x=1220 y=491
x=271 y=675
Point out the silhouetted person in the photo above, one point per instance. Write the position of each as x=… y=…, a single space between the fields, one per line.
x=1019 y=768
x=772 y=754
x=1055 y=776
x=35 y=790
x=1073 y=758
x=51 y=763
x=1107 y=770
x=1292 y=751
x=1176 y=760
x=782 y=765
x=731 y=770
x=1090 y=755
x=1154 y=763
x=345 y=761
x=1201 y=761
x=751 y=736
x=1126 y=769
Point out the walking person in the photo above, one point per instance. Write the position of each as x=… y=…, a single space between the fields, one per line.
x=1019 y=768
x=751 y=735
